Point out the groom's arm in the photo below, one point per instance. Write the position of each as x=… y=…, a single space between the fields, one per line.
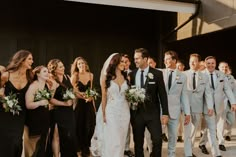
x=162 y=93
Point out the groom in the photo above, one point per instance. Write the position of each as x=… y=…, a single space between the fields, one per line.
x=148 y=114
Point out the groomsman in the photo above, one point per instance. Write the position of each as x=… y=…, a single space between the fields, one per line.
x=220 y=87
x=200 y=96
x=180 y=66
x=176 y=87
x=230 y=115
x=127 y=70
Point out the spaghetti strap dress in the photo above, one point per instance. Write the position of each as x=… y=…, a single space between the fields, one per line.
x=64 y=117
x=12 y=126
x=85 y=121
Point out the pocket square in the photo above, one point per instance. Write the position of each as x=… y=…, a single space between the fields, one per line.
x=179 y=82
x=221 y=80
x=151 y=82
x=202 y=83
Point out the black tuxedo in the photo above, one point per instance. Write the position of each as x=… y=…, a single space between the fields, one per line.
x=148 y=114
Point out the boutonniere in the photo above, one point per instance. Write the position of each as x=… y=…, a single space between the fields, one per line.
x=150 y=76
x=199 y=77
x=217 y=75
x=228 y=77
x=177 y=77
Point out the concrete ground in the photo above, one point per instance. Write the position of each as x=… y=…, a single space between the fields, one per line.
x=230 y=146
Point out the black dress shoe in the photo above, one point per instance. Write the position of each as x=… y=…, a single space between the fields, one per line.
x=219 y=156
x=203 y=149
x=194 y=155
x=129 y=153
x=180 y=139
x=222 y=147
x=227 y=138
x=164 y=138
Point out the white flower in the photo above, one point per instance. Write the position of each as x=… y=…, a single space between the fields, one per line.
x=68 y=95
x=177 y=77
x=11 y=104
x=91 y=93
x=150 y=75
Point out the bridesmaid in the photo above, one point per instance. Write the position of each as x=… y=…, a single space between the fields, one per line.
x=81 y=80
x=15 y=80
x=63 y=120
x=38 y=115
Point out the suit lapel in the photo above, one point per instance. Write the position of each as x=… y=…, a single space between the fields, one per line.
x=175 y=77
x=133 y=79
x=189 y=80
x=147 y=78
x=165 y=76
x=217 y=79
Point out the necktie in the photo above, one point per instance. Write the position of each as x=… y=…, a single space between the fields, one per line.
x=170 y=79
x=194 y=81
x=141 y=79
x=212 y=82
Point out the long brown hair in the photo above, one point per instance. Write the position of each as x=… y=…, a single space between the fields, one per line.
x=111 y=69
x=18 y=58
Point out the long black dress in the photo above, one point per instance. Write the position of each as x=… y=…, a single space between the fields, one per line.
x=38 y=123
x=12 y=126
x=85 y=121
x=64 y=117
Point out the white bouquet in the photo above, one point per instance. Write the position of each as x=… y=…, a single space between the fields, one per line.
x=135 y=96
x=42 y=95
x=68 y=95
x=91 y=93
x=10 y=103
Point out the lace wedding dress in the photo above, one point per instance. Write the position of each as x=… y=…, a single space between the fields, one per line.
x=109 y=138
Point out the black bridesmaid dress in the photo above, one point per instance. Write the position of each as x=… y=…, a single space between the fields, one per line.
x=64 y=117
x=12 y=126
x=38 y=122
x=85 y=121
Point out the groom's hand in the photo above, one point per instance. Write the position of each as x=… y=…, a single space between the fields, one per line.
x=187 y=119
x=164 y=119
x=104 y=118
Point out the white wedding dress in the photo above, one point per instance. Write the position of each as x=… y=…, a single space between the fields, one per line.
x=109 y=138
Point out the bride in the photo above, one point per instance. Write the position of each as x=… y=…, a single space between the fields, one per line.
x=113 y=116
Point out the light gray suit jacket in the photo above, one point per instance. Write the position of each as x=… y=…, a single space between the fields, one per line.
x=232 y=85
x=222 y=88
x=177 y=95
x=201 y=94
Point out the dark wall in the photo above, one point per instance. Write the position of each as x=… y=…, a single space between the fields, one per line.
x=219 y=44
x=66 y=30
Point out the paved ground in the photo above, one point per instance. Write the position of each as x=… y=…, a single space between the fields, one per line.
x=230 y=146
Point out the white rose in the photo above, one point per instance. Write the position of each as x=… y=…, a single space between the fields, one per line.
x=10 y=103
x=150 y=76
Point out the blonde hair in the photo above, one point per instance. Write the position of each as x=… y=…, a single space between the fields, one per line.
x=74 y=67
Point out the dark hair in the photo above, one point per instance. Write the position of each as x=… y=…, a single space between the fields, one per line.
x=126 y=56
x=173 y=54
x=111 y=69
x=154 y=59
x=143 y=51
